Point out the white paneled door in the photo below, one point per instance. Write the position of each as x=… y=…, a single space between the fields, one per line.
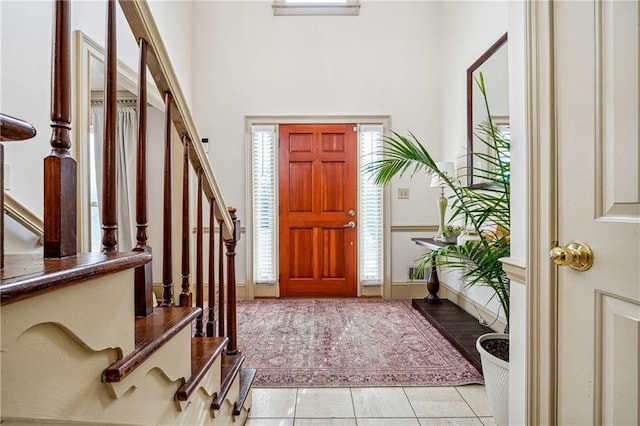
x=597 y=96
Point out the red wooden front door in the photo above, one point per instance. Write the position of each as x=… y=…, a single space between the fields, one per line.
x=318 y=166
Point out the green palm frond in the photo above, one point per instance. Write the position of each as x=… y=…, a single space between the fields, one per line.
x=486 y=207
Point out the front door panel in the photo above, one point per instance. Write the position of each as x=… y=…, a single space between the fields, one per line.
x=317 y=191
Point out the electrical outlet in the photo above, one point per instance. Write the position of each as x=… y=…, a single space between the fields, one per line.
x=403 y=193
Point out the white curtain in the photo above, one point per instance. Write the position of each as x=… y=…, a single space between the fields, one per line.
x=126 y=133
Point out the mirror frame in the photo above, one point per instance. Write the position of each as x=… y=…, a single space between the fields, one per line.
x=470 y=83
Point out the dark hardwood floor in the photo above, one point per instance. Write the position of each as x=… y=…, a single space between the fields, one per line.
x=456 y=325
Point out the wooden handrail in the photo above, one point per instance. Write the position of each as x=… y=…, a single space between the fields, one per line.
x=25 y=217
x=11 y=129
x=143 y=25
x=14 y=129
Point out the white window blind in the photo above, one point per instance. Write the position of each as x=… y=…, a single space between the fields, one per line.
x=264 y=203
x=370 y=222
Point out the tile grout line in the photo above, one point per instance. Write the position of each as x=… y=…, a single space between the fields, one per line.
x=468 y=405
x=353 y=405
x=415 y=415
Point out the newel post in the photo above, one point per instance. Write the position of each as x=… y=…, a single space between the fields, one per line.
x=60 y=173
x=232 y=346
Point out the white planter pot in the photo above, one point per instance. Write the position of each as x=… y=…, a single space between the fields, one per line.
x=496 y=379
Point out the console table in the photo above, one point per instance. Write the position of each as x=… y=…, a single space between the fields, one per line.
x=459 y=327
x=433 y=283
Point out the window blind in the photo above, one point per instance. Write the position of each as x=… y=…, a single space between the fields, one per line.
x=370 y=218
x=264 y=203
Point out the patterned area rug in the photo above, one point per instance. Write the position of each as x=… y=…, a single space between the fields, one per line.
x=346 y=342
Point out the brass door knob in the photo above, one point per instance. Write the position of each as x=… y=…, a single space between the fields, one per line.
x=576 y=255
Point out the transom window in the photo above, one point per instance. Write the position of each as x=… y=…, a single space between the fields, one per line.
x=316 y=7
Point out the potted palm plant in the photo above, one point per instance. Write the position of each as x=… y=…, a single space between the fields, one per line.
x=485 y=210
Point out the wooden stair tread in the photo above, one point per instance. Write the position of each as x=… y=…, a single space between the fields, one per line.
x=204 y=351
x=459 y=327
x=151 y=332
x=246 y=380
x=230 y=368
x=26 y=276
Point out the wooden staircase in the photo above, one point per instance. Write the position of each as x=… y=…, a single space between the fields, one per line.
x=75 y=353
x=81 y=340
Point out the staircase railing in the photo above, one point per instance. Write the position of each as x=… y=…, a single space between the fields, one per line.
x=60 y=197
x=11 y=130
x=23 y=216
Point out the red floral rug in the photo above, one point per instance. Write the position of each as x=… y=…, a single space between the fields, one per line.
x=346 y=342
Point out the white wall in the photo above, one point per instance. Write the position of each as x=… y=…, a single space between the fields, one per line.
x=404 y=59
x=383 y=62
x=174 y=19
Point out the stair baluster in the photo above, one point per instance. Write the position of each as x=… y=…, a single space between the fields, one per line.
x=199 y=255
x=232 y=347
x=185 y=294
x=143 y=274
x=167 y=252
x=221 y=290
x=211 y=325
x=109 y=183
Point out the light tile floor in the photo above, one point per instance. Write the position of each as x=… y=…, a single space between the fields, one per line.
x=383 y=406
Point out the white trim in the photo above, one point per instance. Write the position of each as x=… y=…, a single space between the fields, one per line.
x=515 y=269
x=541 y=321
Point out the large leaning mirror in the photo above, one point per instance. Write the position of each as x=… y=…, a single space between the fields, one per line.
x=87 y=127
x=493 y=64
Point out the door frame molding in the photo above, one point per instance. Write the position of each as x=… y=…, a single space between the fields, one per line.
x=542 y=298
x=251 y=120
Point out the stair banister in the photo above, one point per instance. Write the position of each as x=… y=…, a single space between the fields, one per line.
x=185 y=294
x=230 y=243
x=221 y=290
x=167 y=204
x=211 y=326
x=199 y=257
x=13 y=129
x=143 y=274
x=142 y=24
x=22 y=215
